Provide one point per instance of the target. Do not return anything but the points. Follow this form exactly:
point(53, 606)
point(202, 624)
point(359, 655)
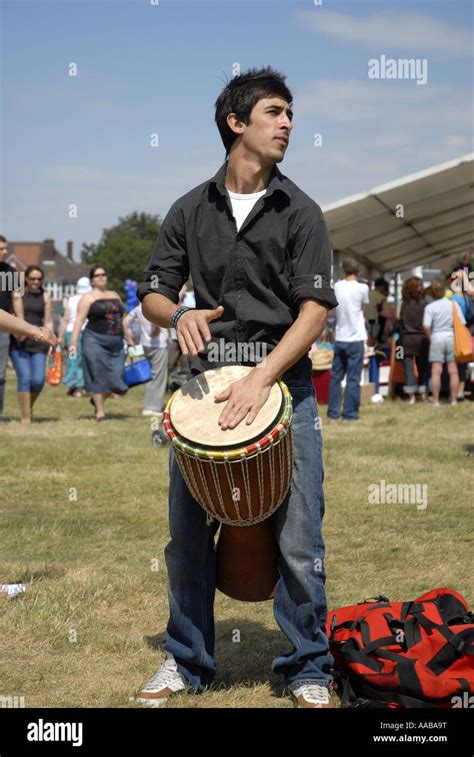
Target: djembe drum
point(239, 476)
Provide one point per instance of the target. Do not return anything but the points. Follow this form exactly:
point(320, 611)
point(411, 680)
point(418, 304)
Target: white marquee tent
point(408, 222)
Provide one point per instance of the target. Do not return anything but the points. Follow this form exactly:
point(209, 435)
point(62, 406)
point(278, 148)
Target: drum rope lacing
point(284, 453)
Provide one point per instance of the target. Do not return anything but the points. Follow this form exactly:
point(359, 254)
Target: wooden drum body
point(239, 476)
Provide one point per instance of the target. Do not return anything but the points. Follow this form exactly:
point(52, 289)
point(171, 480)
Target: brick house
point(61, 271)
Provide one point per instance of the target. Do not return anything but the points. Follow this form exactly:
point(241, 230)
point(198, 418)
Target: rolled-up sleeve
point(311, 257)
point(168, 268)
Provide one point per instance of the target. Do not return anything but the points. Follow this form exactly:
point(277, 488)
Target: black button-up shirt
point(260, 274)
point(7, 280)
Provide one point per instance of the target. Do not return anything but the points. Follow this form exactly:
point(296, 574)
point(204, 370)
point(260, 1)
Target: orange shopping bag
point(462, 339)
point(54, 373)
point(397, 368)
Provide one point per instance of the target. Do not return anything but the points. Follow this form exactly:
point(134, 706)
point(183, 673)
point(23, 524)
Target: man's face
point(269, 129)
point(3, 251)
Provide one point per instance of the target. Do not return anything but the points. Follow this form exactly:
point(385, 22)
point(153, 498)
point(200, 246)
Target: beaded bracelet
point(40, 337)
point(177, 315)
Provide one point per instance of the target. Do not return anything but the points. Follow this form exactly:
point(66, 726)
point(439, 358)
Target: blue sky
point(146, 68)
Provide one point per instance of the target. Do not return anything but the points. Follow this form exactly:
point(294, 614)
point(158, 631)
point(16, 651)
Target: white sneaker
point(166, 682)
point(148, 413)
point(12, 590)
point(312, 695)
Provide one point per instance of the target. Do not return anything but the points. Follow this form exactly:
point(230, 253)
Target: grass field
point(84, 524)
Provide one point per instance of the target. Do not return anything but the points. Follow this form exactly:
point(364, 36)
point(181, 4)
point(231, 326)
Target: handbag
point(322, 358)
point(137, 368)
point(462, 339)
point(397, 366)
point(54, 373)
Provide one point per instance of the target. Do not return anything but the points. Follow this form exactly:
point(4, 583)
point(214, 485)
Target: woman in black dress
point(415, 342)
point(102, 340)
point(29, 355)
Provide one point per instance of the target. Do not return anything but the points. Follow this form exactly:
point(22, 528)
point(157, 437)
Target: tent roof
point(438, 218)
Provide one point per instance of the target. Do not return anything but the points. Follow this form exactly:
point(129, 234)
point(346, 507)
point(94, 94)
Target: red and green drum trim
point(237, 454)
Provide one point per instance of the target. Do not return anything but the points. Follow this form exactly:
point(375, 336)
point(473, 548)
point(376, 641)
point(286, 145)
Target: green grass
point(84, 524)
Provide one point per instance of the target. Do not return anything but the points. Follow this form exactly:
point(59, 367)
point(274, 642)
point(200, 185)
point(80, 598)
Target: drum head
point(194, 414)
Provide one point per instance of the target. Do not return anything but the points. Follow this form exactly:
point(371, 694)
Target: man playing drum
point(257, 250)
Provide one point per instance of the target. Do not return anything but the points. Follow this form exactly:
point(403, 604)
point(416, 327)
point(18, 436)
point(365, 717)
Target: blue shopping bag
point(138, 370)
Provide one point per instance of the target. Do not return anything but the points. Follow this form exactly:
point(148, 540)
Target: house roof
point(27, 252)
point(411, 221)
point(54, 263)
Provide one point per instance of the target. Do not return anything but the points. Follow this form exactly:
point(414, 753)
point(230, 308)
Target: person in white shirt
point(438, 324)
point(351, 334)
point(154, 341)
point(74, 378)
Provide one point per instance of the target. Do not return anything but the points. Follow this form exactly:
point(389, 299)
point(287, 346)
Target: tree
point(124, 249)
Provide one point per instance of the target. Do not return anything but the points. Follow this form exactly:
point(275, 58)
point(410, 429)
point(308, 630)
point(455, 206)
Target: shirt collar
point(277, 181)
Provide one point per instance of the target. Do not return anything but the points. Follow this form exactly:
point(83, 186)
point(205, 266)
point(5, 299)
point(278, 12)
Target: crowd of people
point(95, 328)
point(423, 330)
point(93, 332)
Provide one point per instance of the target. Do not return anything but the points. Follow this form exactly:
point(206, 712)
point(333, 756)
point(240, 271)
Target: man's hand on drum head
point(245, 399)
point(192, 328)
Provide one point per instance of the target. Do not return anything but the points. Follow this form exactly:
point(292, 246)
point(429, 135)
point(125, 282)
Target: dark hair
point(2, 238)
point(32, 268)
point(412, 289)
point(351, 267)
point(95, 268)
point(381, 283)
point(242, 93)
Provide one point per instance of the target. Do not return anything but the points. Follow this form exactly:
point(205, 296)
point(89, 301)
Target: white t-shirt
point(73, 302)
point(438, 316)
point(243, 204)
point(146, 328)
point(189, 300)
point(350, 324)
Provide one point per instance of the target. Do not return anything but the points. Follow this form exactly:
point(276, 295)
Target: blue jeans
point(300, 599)
point(30, 369)
point(411, 385)
point(348, 361)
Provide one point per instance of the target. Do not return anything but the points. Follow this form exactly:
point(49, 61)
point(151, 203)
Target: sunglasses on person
point(96, 275)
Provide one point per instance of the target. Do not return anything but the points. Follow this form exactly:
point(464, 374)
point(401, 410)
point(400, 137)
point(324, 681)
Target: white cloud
point(101, 194)
point(383, 104)
point(458, 141)
point(400, 30)
point(346, 168)
point(373, 132)
point(43, 97)
point(155, 186)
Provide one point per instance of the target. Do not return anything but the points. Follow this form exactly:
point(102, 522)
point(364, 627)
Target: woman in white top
point(74, 378)
point(154, 341)
point(438, 324)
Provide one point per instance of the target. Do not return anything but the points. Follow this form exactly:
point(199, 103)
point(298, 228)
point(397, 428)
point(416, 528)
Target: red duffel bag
point(404, 654)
